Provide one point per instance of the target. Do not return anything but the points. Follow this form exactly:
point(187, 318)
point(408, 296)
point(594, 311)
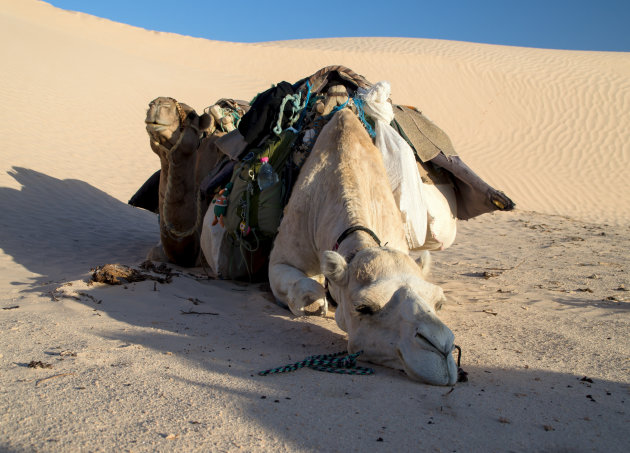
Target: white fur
point(341, 185)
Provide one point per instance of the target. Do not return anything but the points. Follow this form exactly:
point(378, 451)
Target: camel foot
point(307, 298)
point(157, 254)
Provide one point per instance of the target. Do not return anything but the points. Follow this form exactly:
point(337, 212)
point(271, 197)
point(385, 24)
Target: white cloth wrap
point(400, 164)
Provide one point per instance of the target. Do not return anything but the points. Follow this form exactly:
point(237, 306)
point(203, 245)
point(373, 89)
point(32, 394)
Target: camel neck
point(353, 247)
point(353, 229)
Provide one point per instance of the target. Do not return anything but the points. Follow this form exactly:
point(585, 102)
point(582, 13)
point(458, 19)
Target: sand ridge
point(537, 298)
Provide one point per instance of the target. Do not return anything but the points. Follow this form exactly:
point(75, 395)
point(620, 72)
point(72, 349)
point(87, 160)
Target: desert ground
point(537, 298)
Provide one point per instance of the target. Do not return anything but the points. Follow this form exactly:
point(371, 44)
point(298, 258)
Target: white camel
point(384, 304)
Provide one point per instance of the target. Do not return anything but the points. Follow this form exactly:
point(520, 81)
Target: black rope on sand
point(462, 376)
point(340, 363)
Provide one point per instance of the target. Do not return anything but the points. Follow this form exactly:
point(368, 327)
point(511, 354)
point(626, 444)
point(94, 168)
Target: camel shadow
point(59, 228)
point(497, 410)
point(221, 334)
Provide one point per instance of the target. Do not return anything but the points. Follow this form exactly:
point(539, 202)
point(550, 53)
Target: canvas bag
point(229, 252)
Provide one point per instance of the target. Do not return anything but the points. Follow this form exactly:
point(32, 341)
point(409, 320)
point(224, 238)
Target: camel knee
point(303, 295)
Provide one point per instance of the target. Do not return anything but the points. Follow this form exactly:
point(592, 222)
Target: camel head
point(169, 121)
point(388, 311)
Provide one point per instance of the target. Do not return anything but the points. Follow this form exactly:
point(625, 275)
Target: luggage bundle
point(280, 127)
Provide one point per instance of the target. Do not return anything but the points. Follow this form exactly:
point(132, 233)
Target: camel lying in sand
point(185, 144)
point(384, 303)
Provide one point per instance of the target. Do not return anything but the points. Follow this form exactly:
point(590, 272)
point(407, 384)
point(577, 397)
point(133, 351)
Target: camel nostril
point(432, 345)
point(422, 337)
point(425, 339)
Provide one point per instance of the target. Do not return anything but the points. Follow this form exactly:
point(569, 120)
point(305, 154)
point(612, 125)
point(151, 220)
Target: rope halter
point(165, 220)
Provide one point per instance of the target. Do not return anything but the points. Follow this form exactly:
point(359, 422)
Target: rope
point(227, 107)
point(354, 229)
point(305, 107)
point(180, 111)
point(330, 363)
point(165, 218)
point(296, 108)
point(462, 376)
point(358, 102)
point(237, 118)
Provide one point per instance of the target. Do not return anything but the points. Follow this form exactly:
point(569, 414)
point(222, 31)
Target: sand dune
point(550, 128)
point(546, 126)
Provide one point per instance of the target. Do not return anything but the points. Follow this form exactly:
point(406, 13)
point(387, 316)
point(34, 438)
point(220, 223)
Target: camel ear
point(334, 268)
point(438, 298)
point(205, 121)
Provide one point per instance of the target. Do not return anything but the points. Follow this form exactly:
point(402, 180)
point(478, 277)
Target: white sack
point(400, 164)
point(211, 240)
point(442, 216)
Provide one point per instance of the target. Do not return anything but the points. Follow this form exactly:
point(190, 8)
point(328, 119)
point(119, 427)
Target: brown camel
point(185, 144)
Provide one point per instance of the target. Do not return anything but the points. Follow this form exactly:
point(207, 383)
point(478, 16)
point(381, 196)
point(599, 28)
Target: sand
point(538, 297)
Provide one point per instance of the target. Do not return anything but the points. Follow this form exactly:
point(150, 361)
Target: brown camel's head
point(168, 119)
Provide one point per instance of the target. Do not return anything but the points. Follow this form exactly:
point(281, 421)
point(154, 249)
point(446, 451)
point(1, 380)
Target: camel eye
point(365, 310)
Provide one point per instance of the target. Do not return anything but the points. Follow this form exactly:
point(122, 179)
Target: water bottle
point(266, 176)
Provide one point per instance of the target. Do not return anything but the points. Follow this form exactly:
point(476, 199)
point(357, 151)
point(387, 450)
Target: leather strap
point(353, 229)
point(343, 236)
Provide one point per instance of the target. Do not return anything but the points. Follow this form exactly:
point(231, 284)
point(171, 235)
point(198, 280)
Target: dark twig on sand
point(198, 313)
point(52, 377)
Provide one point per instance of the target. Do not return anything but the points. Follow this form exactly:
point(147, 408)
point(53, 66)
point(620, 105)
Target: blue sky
point(555, 24)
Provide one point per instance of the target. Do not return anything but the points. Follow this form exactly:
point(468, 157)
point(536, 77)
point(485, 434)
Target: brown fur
point(189, 163)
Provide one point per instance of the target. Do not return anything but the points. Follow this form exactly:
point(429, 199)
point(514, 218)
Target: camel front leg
point(305, 296)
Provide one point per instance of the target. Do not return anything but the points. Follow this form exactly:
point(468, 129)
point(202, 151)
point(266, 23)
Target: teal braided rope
point(305, 107)
point(339, 107)
point(296, 108)
point(330, 363)
point(358, 102)
point(237, 118)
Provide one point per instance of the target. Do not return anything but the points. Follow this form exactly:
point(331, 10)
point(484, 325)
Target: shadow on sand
point(49, 220)
point(240, 332)
point(499, 409)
